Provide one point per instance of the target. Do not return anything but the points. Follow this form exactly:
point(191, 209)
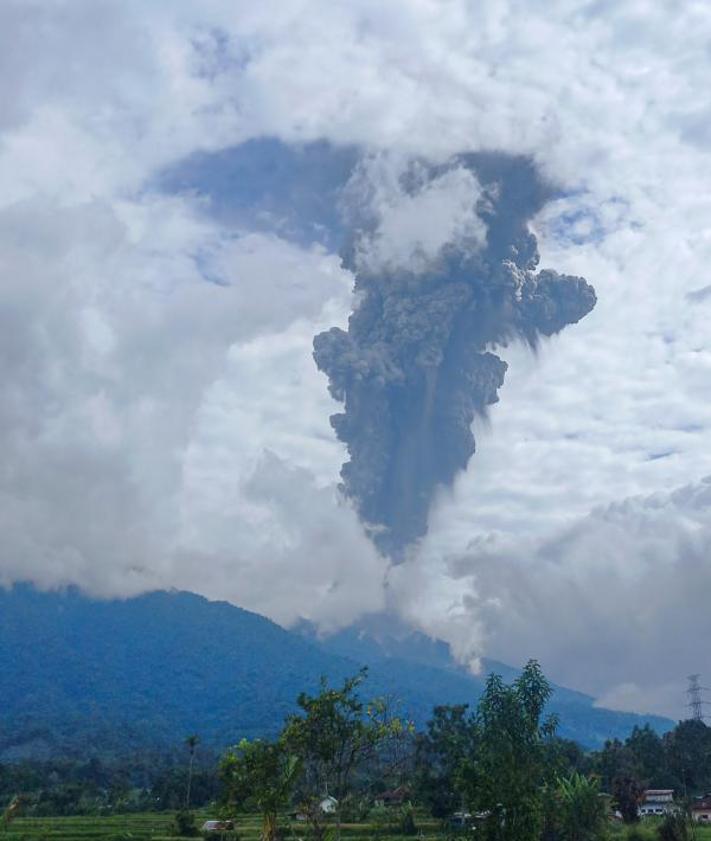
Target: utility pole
point(696, 700)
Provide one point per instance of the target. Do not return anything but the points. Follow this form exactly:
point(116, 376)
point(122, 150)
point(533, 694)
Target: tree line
point(498, 765)
point(149, 782)
point(499, 768)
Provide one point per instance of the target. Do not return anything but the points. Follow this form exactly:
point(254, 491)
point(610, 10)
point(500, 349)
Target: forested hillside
point(80, 676)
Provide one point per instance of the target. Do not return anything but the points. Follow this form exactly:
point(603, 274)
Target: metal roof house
point(701, 809)
point(657, 801)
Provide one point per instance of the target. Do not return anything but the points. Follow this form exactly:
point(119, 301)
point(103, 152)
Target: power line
point(696, 700)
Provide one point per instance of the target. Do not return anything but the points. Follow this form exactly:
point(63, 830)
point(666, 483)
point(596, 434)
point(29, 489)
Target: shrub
point(581, 813)
point(381, 820)
point(184, 824)
point(354, 809)
point(674, 828)
point(407, 821)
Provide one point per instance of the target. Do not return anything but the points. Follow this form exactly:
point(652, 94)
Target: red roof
point(396, 794)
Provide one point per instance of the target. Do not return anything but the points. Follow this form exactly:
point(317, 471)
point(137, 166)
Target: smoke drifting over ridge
point(415, 365)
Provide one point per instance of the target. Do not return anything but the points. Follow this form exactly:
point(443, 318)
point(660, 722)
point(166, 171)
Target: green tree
point(650, 759)
point(627, 791)
point(688, 754)
point(440, 751)
point(333, 735)
point(615, 761)
point(259, 775)
point(505, 780)
point(565, 757)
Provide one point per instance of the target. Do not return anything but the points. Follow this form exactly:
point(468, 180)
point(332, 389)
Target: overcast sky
point(162, 421)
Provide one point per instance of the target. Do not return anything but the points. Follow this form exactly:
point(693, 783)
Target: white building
point(657, 801)
point(328, 805)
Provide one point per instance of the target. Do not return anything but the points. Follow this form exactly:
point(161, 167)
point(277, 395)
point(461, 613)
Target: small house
point(396, 797)
point(656, 802)
point(701, 809)
point(328, 805)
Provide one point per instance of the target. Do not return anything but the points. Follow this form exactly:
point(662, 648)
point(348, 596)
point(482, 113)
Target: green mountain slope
point(81, 676)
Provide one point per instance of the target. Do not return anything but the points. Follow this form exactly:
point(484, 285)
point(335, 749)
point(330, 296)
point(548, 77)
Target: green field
point(646, 831)
point(157, 825)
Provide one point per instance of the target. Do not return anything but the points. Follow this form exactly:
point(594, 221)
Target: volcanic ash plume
point(415, 365)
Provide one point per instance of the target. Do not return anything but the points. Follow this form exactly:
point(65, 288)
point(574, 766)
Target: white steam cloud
point(619, 596)
point(410, 216)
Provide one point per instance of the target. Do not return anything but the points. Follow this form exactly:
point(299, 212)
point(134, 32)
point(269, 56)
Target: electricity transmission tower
point(696, 700)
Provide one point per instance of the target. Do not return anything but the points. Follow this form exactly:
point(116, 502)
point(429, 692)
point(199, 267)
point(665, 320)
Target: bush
point(354, 809)
point(580, 813)
point(674, 828)
point(380, 820)
point(407, 821)
point(184, 824)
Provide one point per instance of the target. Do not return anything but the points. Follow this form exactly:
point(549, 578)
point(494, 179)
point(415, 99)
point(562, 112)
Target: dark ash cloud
point(416, 363)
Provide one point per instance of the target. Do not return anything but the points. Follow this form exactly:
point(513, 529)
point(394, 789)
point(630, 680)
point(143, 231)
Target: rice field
point(156, 826)
point(133, 827)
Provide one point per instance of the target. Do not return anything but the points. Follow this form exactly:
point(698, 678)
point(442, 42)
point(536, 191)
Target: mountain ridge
point(82, 675)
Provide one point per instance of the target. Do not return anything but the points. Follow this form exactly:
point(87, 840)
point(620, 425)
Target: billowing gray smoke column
point(415, 367)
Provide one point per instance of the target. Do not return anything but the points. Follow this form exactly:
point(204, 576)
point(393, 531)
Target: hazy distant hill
point(81, 676)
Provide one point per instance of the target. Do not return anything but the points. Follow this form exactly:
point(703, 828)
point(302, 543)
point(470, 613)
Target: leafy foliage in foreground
point(507, 773)
point(334, 735)
point(498, 762)
point(576, 811)
point(259, 775)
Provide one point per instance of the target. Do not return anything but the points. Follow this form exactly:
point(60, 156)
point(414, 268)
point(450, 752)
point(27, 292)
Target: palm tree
point(192, 742)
